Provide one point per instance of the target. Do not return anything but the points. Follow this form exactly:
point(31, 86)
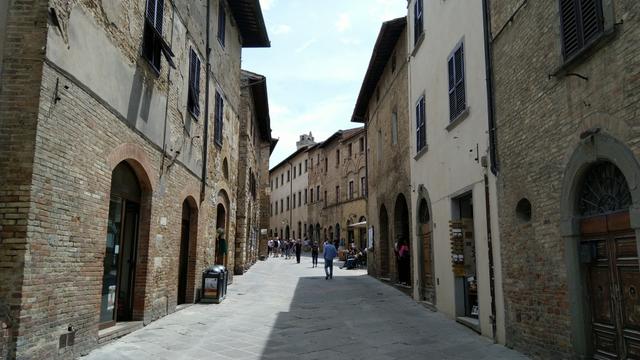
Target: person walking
point(314, 254)
point(269, 247)
point(329, 253)
point(298, 250)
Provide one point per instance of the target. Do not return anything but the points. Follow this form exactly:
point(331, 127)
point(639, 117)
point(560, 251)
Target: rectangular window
point(380, 145)
point(318, 159)
point(193, 99)
point(363, 186)
point(337, 194)
point(276, 208)
point(276, 182)
point(337, 157)
point(326, 164)
point(288, 175)
point(152, 41)
point(305, 196)
point(271, 210)
point(582, 23)
point(394, 128)
point(457, 95)
point(294, 201)
point(311, 195)
point(222, 23)
point(418, 23)
point(325, 198)
point(306, 166)
point(282, 179)
point(361, 142)
point(351, 190)
point(318, 192)
point(288, 203)
point(299, 198)
point(421, 133)
point(350, 150)
point(219, 119)
point(281, 206)
point(294, 173)
point(300, 169)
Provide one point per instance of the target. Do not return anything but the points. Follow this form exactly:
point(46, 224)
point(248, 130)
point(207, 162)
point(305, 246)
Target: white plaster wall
point(449, 167)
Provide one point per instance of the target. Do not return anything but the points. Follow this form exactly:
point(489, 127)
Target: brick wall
point(539, 121)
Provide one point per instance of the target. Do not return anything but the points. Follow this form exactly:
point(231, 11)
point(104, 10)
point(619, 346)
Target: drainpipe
point(486, 21)
point(488, 60)
point(206, 107)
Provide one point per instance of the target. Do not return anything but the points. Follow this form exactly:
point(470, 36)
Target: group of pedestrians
point(285, 248)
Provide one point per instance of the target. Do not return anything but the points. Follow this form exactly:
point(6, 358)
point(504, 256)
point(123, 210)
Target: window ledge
point(417, 44)
point(458, 119)
point(421, 152)
point(584, 53)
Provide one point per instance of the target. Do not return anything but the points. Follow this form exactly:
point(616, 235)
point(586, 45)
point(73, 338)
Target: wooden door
point(609, 250)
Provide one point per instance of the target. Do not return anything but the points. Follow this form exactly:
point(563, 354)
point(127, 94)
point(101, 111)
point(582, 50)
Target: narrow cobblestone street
point(284, 310)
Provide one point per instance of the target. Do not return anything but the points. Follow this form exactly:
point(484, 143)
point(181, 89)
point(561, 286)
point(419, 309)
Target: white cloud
point(281, 29)
point(343, 23)
point(266, 4)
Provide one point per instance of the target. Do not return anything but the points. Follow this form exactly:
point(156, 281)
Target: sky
point(320, 50)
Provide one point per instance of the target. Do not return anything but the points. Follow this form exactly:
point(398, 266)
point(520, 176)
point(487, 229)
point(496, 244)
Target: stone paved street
point(284, 310)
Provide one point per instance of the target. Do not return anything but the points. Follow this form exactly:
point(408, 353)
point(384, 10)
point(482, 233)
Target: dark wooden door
point(613, 281)
point(184, 261)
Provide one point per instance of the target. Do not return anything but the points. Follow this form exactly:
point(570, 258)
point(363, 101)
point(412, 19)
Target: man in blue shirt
point(329, 253)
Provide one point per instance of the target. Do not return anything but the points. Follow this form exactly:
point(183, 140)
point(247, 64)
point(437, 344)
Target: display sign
point(370, 237)
point(111, 298)
point(456, 236)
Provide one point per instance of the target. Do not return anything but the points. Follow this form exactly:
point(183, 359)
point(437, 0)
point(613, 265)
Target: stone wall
point(540, 119)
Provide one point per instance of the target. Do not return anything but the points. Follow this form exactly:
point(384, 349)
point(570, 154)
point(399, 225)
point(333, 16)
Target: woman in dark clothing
point(298, 250)
point(314, 254)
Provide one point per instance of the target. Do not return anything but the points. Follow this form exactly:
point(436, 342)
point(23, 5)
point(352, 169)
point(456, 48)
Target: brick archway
point(135, 156)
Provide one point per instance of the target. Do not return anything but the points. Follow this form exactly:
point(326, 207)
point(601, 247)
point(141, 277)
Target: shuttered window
point(153, 45)
point(421, 126)
point(457, 95)
point(582, 23)
point(219, 119)
point(222, 23)
point(418, 23)
point(193, 101)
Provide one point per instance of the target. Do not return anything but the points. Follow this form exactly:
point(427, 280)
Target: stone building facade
point(115, 169)
point(289, 195)
point(566, 96)
point(253, 167)
point(382, 106)
point(453, 184)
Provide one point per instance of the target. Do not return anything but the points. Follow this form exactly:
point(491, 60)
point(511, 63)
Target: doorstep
point(471, 323)
point(118, 330)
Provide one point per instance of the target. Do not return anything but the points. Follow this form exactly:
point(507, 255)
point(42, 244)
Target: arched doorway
point(222, 244)
point(427, 291)
point(609, 249)
point(127, 224)
point(401, 231)
point(384, 242)
point(187, 255)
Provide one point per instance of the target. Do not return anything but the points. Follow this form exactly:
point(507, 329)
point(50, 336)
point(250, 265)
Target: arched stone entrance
point(425, 251)
point(600, 219)
point(222, 229)
point(124, 277)
point(187, 254)
point(401, 232)
point(384, 242)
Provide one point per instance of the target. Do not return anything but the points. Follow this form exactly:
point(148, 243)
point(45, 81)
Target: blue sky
point(320, 50)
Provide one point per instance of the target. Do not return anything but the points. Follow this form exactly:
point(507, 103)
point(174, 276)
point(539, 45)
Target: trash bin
point(214, 284)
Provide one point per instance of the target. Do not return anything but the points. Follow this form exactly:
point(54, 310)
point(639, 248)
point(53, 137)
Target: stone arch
point(592, 149)
point(187, 251)
point(402, 233)
point(137, 158)
point(222, 227)
point(424, 253)
point(385, 254)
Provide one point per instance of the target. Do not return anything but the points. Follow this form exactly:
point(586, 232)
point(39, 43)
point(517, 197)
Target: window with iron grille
point(582, 23)
point(418, 23)
point(193, 101)
point(222, 23)
point(219, 119)
point(421, 127)
point(457, 91)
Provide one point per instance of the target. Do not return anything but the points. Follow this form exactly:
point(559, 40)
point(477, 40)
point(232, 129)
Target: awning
point(362, 225)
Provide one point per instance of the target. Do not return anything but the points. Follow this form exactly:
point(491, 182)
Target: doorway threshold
point(471, 323)
point(118, 330)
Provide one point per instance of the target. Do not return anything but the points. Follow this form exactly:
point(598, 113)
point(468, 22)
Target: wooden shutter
point(461, 101)
point(582, 22)
point(452, 88)
point(222, 19)
point(420, 125)
point(193, 102)
point(159, 15)
point(219, 118)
